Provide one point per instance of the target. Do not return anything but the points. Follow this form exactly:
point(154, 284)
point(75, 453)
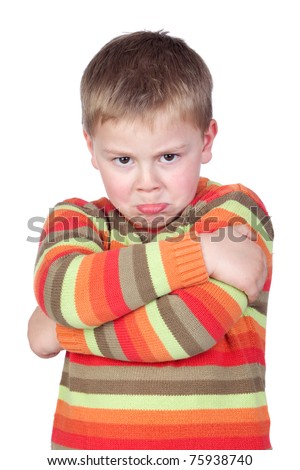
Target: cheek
point(118, 193)
point(185, 185)
point(114, 186)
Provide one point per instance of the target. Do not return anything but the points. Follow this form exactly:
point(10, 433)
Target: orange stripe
point(231, 306)
point(220, 309)
point(63, 250)
point(42, 272)
point(233, 343)
point(98, 300)
point(161, 430)
point(156, 348)
point(62, 219)
point(248, 325)
point(82, 294)
point(115, 245)
point(152, 417)
point(137, 337)
point(215, 219)
point(171, 270)
point(77, 342)
point(189, 250)
point(244, 324)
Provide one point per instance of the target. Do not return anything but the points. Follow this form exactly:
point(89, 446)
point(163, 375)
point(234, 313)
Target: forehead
point(138, 137)
point(161, 121)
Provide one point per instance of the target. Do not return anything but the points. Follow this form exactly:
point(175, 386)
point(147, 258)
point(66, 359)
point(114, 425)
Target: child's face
point(150, 173)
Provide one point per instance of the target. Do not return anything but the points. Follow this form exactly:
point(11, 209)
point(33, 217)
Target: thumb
point(245, 230)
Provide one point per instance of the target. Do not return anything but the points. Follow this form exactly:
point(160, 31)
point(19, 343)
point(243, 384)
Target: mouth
point(150, 209)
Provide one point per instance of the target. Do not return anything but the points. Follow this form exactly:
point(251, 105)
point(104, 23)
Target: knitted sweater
point(159, 355)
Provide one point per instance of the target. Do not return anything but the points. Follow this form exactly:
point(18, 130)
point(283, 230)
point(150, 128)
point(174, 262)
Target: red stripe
point(66, 220)
point(212, 357)
point(104, 204)
point(111, 282)
point(75, 200)
point(202, 313)
point(124, 339)
point(267, 285)
point(93, 443)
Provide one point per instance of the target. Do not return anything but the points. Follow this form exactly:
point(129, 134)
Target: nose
point(147, 180)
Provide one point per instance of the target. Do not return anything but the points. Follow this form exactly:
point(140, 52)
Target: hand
point(42, 335)
point(232, 256)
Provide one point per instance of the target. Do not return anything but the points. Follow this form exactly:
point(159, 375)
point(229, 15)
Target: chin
point(147, 223)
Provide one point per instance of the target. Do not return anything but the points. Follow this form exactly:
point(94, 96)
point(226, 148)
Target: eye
point(122, 161)
point(169, 157)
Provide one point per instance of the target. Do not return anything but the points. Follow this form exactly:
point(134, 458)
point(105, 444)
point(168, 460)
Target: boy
point(159, 293)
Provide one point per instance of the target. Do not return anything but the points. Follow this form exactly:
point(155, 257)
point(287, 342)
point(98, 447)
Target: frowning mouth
point(151, 209)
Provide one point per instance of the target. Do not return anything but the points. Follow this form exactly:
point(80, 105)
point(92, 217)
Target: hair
point(138, 74)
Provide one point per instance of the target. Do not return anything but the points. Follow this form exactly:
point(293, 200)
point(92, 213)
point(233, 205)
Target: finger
point(252, 293)
point(244, 229)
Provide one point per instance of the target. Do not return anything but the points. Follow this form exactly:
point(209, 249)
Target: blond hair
point(138, 74)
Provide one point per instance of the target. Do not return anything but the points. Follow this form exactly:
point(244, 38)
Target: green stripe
point(156, 268)
point(212, 183)
point(129, 239)
point(162, 402)
point(163, 332)
point(240, 210)
point(167, 235)
point(239, 296)
point(91, 342)
point(69, 207)
point(258, 317)
point(67, 299)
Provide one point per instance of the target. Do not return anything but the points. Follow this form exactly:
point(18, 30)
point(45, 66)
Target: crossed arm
point(183, 309)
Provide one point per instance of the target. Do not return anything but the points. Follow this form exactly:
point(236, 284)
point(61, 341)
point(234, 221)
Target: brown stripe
point(119, 223)
point(91, 210)
point(130, 291)
point(82, 234)
point(261, 303)
point(189, 333)
point(165, 380)
point(257, 212)
point(108, 343)
point(54, 283)
point(164, 387)
point(142, 278)
point(169, 373)
point(58, 447)
point(193, 213)
point(248, 203)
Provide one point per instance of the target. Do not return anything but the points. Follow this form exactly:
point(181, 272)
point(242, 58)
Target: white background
point(252, 50)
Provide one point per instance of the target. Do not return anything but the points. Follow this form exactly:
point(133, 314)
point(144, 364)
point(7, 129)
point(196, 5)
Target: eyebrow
point(169, 149)
point(117, 152)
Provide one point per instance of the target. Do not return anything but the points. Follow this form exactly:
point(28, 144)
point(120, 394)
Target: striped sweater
point(159, 355)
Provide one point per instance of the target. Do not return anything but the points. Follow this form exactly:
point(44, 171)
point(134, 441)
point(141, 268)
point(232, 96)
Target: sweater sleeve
point(176, 326)
point(190, 320)
point(79, 283)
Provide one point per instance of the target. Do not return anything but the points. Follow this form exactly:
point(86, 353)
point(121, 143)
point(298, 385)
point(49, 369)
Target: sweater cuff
point(189, 267)
point(71, 339)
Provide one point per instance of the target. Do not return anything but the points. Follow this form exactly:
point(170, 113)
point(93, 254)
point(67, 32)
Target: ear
point(90, 146)
point(208, 140)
